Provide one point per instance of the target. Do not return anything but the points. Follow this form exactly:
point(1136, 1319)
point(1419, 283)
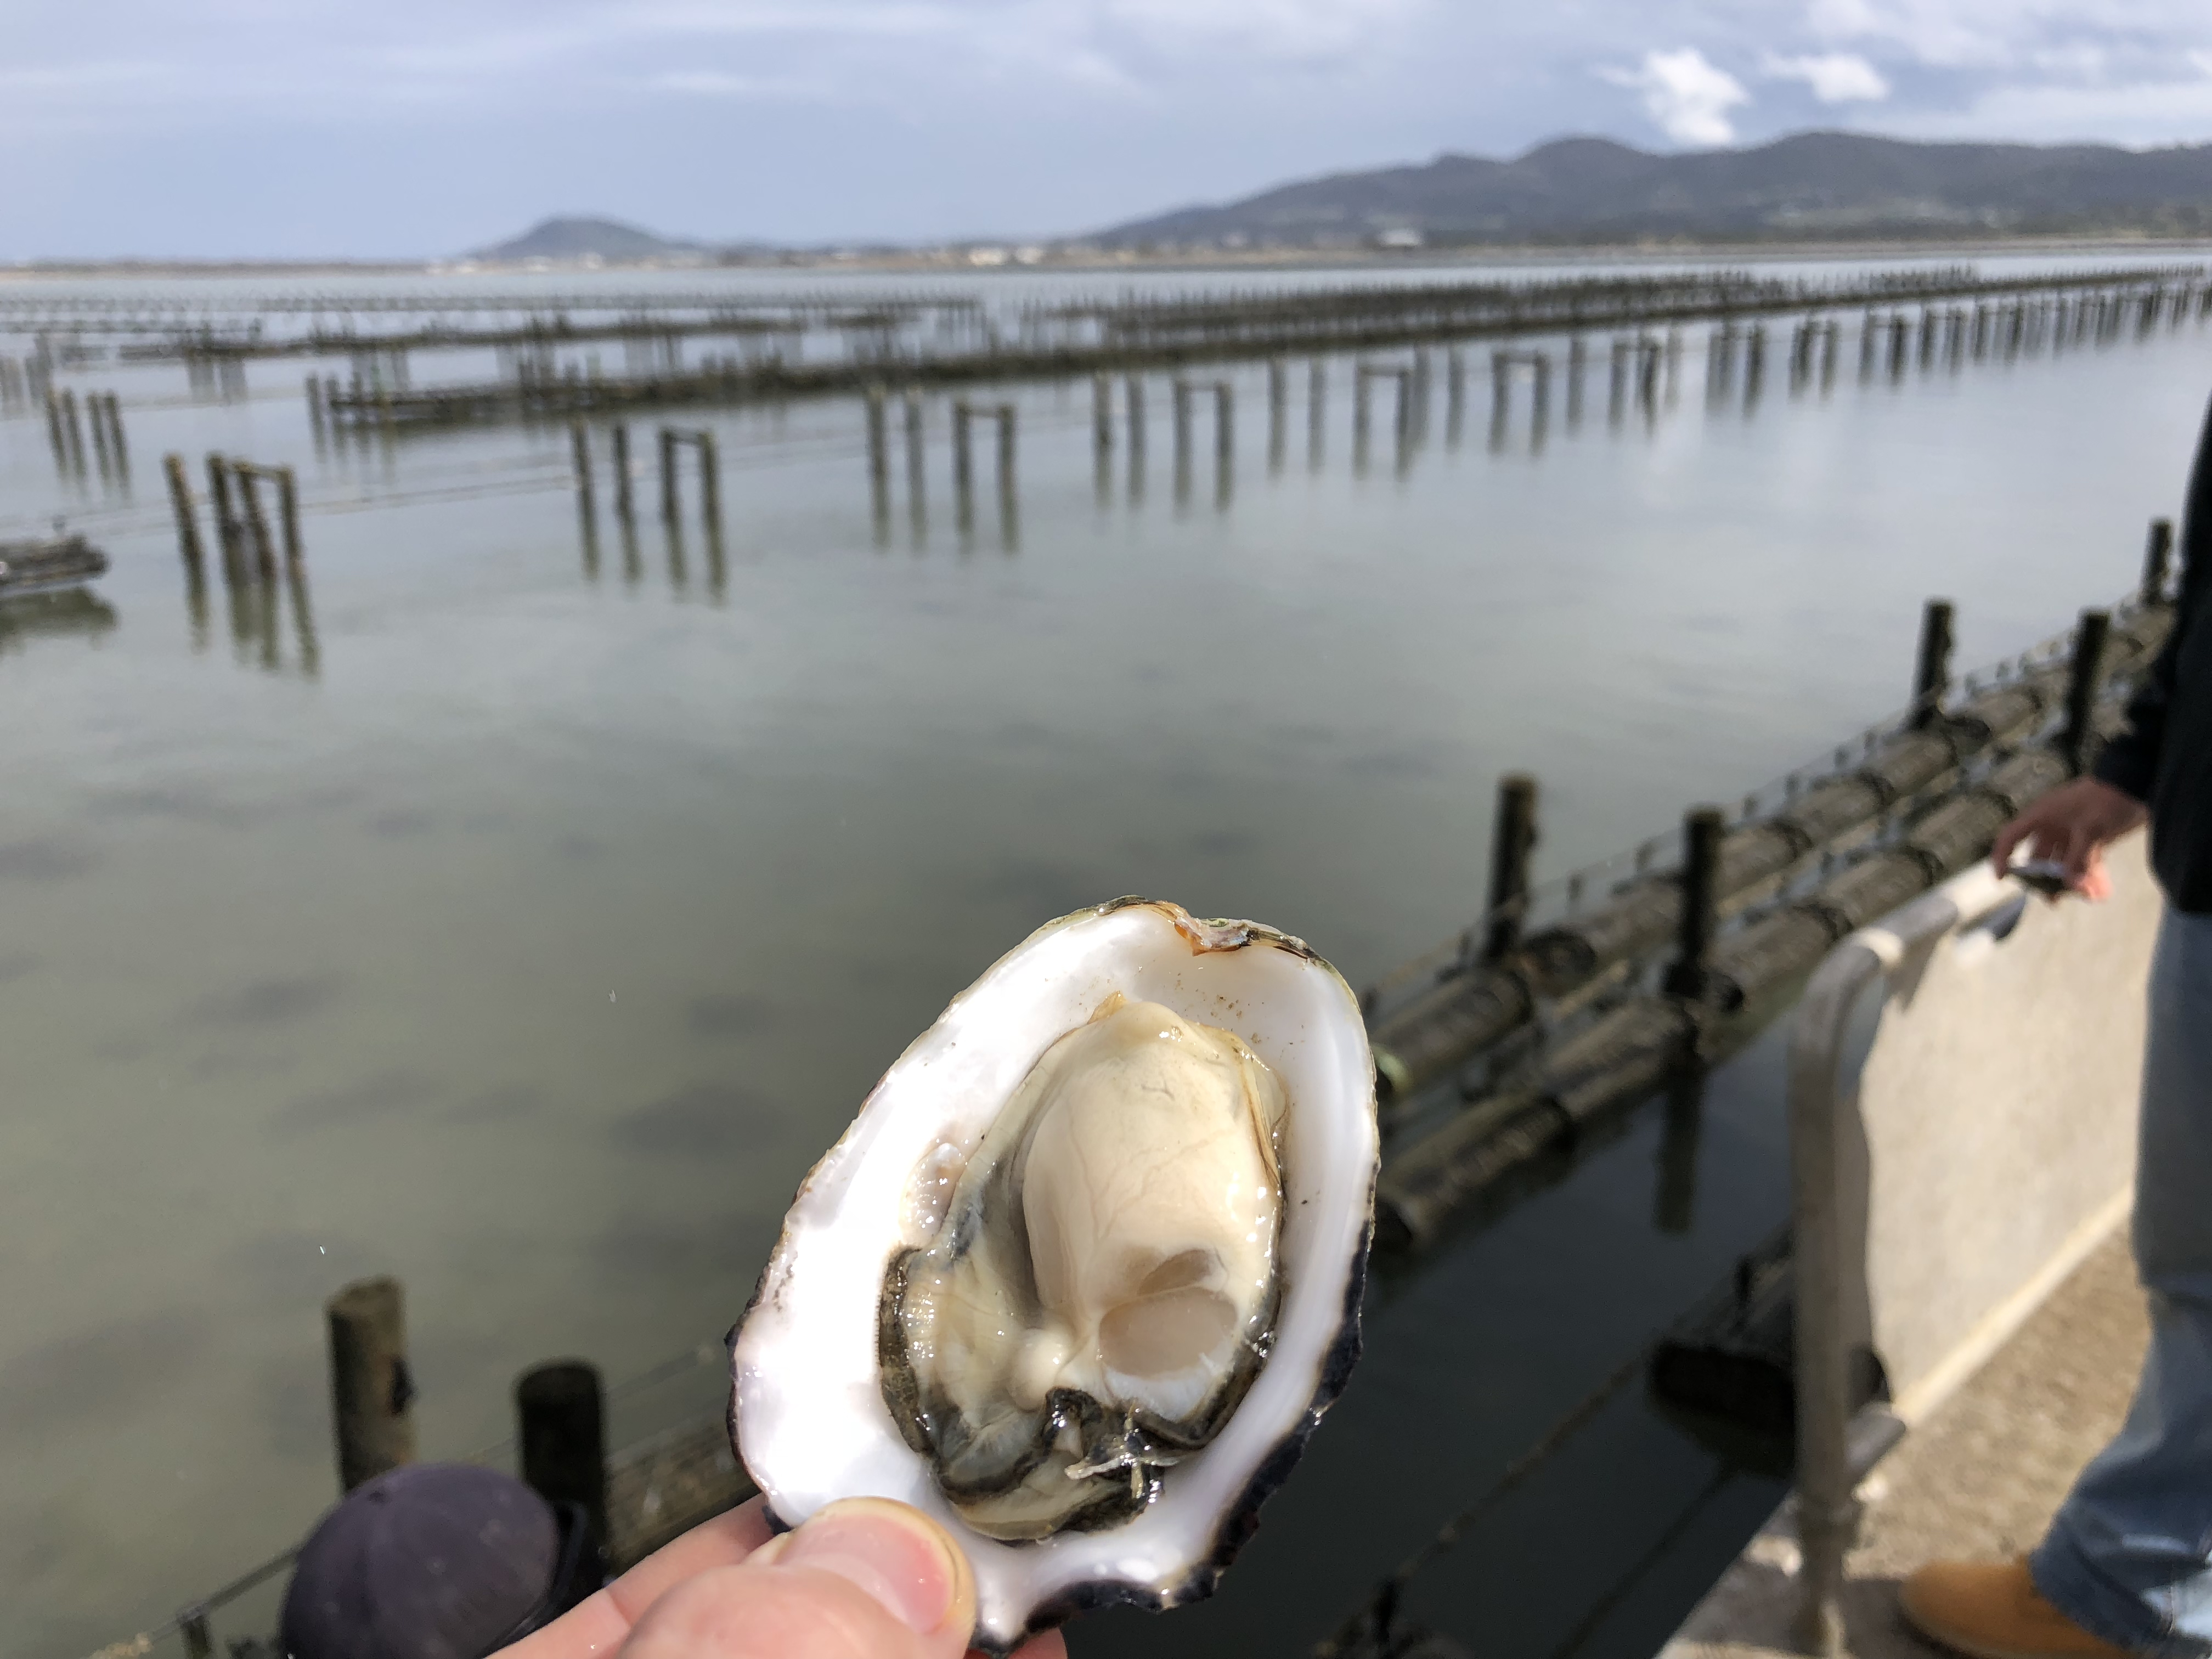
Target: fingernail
point(897, 1554)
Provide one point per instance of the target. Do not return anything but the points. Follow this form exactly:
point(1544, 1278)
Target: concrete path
point(1979, 1479)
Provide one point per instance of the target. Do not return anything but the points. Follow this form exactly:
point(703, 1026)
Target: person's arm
point(2075, 822)
point(2130, 761)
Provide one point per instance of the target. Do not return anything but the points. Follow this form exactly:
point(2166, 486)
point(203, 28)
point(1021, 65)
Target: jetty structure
point(770, 346)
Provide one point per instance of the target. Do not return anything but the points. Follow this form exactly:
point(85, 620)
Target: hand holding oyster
point(1084, 1273)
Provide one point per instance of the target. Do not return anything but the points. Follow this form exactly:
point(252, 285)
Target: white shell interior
point(811, 1422)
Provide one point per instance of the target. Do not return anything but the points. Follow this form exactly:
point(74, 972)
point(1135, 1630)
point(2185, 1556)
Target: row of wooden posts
point(65, 429)
point(560, 1413)
point(237, 516)
point(673, 441)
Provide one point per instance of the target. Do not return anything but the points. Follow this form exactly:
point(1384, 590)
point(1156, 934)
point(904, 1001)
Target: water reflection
point(70, 611)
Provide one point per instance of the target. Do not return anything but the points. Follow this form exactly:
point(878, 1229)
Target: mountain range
point(1825, 186)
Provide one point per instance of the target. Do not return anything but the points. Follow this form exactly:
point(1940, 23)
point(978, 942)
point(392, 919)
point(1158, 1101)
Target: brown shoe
point(1993, 1610)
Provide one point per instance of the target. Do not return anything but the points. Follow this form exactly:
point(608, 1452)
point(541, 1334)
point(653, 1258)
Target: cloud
point(1835, 77)
point(1686, 95)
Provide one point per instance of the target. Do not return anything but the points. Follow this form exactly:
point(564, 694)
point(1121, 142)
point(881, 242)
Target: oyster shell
point(1084, 1273)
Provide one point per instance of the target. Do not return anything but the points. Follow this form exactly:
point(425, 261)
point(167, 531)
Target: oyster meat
point(1084, 1274)
point(1103, 1288)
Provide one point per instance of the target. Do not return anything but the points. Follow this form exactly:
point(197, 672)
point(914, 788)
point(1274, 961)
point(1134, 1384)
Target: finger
point(2078, 849)
point(2095, 885)
point(863, 1579)
point(2008, 838)
point(599, 1624)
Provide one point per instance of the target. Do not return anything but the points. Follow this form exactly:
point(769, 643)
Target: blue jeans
point(2129, 1557)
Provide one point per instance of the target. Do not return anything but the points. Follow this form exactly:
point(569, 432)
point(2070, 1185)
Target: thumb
point(865, 1579)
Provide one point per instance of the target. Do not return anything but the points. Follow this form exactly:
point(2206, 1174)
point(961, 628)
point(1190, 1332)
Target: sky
point(424, 127)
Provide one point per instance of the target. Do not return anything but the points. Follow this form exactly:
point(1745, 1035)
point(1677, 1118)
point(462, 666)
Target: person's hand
point(2072, 825)
point(863, 1579)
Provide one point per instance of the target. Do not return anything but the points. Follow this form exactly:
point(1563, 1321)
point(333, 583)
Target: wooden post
point(668, 474)
point(964, 462)
point(1455, 388)
point(73, 431)
point(1702, 831)
point(226, 521)
point(1316, 409)
point(1931, 674)
point(54, 428)
point(1278, 410)
point(1179, 401)
point(371, 1391)
point(115, 441)
point(1006, 451)
point(710, 478)
point(2082, 683)
point(95, 409)
point(914, 453)
point(561, 1419)
point(248, 480)
point(181, 501)
point(618, 449)
point(315, 415)
point(1512, 839)
point(1133, 393)
point(879, 450)
point(1363, 397)
point(580, 447)
point(1101, 413)
point(1224, 425)
point(288, 508)
point(2158, 559)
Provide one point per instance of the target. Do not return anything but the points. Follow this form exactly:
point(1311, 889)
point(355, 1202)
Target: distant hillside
point(1814, 185)
point(585, 238)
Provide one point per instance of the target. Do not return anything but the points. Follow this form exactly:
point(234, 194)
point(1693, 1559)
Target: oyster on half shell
point(1082, 1275)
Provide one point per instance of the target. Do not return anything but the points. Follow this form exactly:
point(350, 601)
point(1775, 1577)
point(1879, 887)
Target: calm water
point(527, 928)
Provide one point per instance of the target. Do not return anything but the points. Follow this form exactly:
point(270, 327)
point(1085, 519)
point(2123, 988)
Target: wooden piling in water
point(879, 449)
point(561, 1423)
point(1133, 390)
point(1224, 425)
point(1931, 673)
point(914, 453)
point(1101, 413)
point(619, 458)
point(180, 503)
point(72, 431)
point(287, 508)
point(1456, 390)
point(1316, 409)
point(668, 502)
point(579, 451)
point(371, 1390)
point(54, 428)
point(964, 462)
point(96, 416)
point(219, 505)
point(1702, 830)
point(2158, 559)
point(1278, 410)
point(710, 479)
point(1512, 840)
point(1005, 413)
point(2082, 678)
